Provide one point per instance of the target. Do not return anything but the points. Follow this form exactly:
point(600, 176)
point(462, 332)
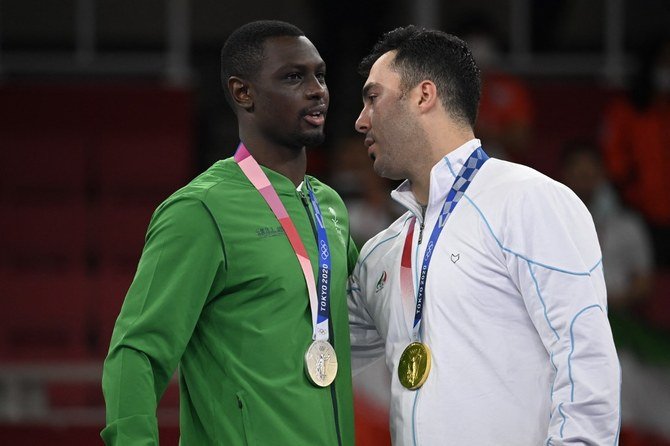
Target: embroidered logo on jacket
point(455, 257)
point(381, 282)
point(269, 232)
point(336, 223)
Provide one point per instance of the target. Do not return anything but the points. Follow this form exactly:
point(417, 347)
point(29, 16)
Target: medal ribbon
point(257, 177)
point(458, 188)
point(324, 267)
point(406, 283)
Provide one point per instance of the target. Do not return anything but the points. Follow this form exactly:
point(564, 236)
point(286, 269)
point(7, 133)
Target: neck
point(441, 142)
point(288, 161)
point(420, 187)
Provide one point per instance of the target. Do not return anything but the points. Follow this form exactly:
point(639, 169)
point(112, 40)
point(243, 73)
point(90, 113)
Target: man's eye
point(321, 77)
point(294, 76)
point(371, 97)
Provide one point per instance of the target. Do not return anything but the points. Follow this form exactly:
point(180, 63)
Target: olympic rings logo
point(324, 250)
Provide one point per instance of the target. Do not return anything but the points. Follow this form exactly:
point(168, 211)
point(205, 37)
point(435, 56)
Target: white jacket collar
point(442, 176)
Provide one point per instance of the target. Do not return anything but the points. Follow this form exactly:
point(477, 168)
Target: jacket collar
point(442, 176)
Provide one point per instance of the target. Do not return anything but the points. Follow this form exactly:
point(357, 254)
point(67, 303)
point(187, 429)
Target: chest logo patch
point(455, 257)
point(381, 282)
point(269, 232)
point(336, 223)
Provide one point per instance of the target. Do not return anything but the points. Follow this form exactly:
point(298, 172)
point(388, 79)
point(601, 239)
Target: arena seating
point(82, 167)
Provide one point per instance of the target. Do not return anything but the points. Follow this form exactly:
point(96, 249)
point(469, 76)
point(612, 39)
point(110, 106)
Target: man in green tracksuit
point(220, 290)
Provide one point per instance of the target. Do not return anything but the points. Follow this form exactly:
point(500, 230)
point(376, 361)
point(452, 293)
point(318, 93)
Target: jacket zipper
point(333, 394)
point(423, 219)
point(309, 212)
point(420, 233)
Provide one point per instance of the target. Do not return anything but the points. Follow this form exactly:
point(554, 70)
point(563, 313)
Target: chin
point(387, 172)
point(378, 168)
point(312, 139)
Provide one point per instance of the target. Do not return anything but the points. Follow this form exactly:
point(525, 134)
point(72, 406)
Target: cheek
point(386, 123)
point(276, 101)
point(376, 117)
point(386, 112)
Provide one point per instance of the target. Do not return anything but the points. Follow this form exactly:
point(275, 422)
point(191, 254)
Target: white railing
point(172, 64)
point(24, 396)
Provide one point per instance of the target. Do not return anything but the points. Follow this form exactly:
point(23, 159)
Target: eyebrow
point(302, 66)
point(367, 88)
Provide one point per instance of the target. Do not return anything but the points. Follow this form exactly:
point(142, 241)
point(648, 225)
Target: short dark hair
point(242, 53)
point(437, 56)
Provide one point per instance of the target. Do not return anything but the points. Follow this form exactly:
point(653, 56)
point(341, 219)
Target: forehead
point(289, 50)
point(383, 73)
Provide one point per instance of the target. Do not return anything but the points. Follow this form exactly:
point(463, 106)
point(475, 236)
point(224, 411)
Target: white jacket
point(515, 314)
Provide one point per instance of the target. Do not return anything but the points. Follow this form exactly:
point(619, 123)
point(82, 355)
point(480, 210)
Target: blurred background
point(108, 106)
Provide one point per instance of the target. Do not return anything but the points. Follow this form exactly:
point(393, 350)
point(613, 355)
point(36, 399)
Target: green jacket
point(219, 292)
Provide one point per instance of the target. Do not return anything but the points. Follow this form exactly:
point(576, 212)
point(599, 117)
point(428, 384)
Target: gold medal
point(321, 363)
point(414, 365)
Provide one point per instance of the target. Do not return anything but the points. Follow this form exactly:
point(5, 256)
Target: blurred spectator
point(366, 195)
point(628, 267)
point(505, 116)
point(624, 239)
point(636, 145)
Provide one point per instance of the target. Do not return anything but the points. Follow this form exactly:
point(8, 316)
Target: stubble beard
point(302, 139)
point(405, 136)
point(312, 138)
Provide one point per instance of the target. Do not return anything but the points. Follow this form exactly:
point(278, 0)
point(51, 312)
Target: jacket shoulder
point(381, 244)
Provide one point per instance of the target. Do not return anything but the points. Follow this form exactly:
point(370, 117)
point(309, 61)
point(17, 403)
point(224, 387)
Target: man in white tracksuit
point(508, 311)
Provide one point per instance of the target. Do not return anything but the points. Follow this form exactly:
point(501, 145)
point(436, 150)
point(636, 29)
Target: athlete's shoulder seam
point(522, 256)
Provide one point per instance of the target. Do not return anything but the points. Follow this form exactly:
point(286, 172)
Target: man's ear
point(427, 95)
point(239, 91)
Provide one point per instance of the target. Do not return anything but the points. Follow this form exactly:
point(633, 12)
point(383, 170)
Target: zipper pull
point(303, 197)
point(423, 220)
point(420, 233)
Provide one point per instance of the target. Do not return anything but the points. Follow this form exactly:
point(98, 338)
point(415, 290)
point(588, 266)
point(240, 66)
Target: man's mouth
point(316, 116)
point(369, 142)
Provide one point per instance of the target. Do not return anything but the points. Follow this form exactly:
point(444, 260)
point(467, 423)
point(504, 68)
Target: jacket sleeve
point(352, 255)
point(366, 344)
point(553, 257)
point(181, 258)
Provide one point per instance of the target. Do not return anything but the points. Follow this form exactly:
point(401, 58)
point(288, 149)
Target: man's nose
point(362, 123)
point(316, 89)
